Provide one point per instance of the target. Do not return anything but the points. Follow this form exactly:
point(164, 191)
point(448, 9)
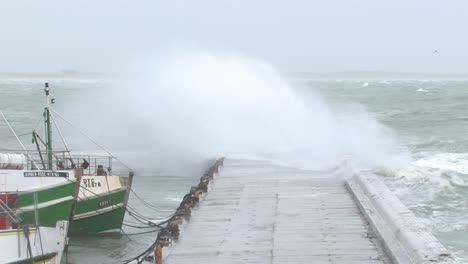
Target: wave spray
point(197, 106)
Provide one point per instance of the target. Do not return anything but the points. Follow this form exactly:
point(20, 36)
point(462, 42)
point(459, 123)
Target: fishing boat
point(24, 243)
point(36, 196)
point(102, 199)
point(79, 187)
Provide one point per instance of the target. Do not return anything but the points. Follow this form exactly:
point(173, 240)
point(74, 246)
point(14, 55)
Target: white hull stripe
point(110, 231)
point(50, 186)
point(87, 195)
point(98, 212)
point(14, 232)
point(46, 204)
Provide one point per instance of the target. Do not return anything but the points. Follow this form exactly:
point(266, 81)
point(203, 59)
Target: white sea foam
point(444, 170)
point(417, 174)
point(422, 90)
point(457, 162)
point(365, 84)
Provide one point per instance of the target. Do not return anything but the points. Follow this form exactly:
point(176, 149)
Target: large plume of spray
point(190, 107)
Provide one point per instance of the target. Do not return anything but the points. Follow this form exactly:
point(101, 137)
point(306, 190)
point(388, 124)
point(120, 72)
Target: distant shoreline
point(346, 75)
point(370, 75)
point(66, 74)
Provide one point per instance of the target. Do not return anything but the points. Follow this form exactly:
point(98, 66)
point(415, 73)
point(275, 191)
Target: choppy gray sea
point(427, 117)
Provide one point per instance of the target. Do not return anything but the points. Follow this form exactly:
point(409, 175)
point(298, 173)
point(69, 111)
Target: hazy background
point(194, 80)
point(295, 36)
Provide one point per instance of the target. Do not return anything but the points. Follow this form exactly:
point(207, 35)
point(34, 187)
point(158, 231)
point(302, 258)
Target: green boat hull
point(53, 204)
point(103, 214)
point(48, 216)
point(98, 214)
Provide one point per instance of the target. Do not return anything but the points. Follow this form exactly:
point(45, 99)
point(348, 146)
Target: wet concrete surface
point(257, 212)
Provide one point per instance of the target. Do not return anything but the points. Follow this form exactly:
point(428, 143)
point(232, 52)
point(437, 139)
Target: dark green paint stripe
point(48, 216)
point(45, 195)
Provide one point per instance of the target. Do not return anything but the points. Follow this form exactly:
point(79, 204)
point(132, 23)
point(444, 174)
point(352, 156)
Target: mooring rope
point(148, 204)
point(147, 221)
point(170, 231)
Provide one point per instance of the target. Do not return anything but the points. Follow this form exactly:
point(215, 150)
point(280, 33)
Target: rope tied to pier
point(171, 230)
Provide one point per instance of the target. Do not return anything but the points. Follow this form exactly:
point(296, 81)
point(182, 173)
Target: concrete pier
point(257, 212)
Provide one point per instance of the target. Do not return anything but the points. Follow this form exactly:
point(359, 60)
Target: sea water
point(423, 120)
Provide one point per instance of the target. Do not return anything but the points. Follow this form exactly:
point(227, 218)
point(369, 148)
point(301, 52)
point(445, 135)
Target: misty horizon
point(297, 74)
point(300, 36)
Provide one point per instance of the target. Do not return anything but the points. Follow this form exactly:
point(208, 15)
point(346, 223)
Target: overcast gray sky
point(294, 35)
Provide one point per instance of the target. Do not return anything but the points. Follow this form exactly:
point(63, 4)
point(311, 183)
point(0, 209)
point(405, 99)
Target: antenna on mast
point(47, 92)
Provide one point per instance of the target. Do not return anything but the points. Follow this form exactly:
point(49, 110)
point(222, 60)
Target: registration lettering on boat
point(46, 174)
point(91, 183)
point(104, 203)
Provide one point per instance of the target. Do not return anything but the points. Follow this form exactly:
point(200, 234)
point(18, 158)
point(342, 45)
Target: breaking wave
point(443, 170)
point(457, 162)
point(203, 105)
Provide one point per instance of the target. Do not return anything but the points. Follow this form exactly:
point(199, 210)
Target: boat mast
point(48, 128)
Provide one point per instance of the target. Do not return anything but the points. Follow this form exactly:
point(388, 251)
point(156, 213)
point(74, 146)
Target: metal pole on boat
point(127, 194)
point(48, 128)
point(78, 174)
point(17, 138)
point(129, 188)
point(61, 137)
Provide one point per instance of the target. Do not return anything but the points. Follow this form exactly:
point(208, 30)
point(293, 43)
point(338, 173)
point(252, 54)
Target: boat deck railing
point(65, 160)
